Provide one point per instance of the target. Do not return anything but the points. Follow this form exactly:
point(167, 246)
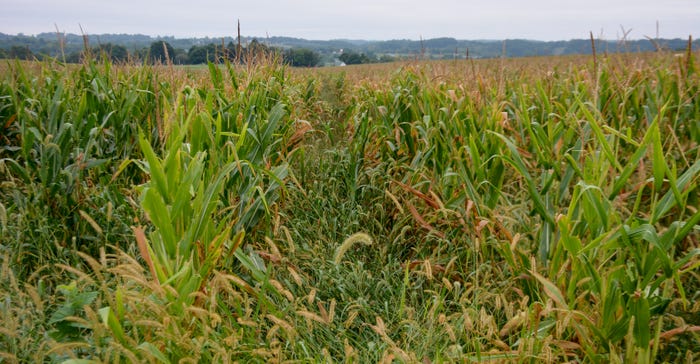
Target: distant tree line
point(299, 52)
point(162, 52)
point(351, 57)
point(19, 52)
point(354, 58)
point(212, 52)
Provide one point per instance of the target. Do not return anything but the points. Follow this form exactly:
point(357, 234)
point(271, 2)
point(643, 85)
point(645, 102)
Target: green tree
point(385, 58)
point(20, 52)
point(202, 54)
point(162, 52)
point(74, 57)
point(181, 56)
point(115, 52)
point(256, 47)
point(232, 51)
point(301, 57)
point(354, 58)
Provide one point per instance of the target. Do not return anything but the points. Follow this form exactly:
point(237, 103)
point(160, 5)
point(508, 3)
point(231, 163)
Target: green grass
point(532, 210)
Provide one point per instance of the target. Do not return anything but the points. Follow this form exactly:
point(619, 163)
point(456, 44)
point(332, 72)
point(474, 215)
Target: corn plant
point(211, 185)
point(66, 131)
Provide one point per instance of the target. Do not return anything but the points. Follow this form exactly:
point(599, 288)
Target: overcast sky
point(359, 19)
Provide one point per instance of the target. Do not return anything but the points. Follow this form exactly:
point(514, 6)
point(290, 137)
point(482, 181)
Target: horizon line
point(346, 39)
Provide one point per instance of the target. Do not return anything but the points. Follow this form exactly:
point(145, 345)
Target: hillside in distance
point(49, 44)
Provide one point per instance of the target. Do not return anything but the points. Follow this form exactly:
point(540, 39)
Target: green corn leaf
point(658, 162)
point(193, 175)
point(155, 167)
point(639, 308)
point(122, 166)
point(602, 140)
point(256, 268)
point(571, 243)
point(20, 171)
point(687, 226)
point(184, 273)
point(596, 283)
point(110, 320)
point(669, 200)
point(159, 214)
point(519, 165)
point(273, 121)
point(551, 290)
point(153, 351)
point(216, 76)
point(209, 198)
point(632, 165)
point(647, 232)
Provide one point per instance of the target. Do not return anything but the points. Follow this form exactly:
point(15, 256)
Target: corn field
point(508, 210)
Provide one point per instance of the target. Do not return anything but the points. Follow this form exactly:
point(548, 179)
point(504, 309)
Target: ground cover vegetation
point(507, 210)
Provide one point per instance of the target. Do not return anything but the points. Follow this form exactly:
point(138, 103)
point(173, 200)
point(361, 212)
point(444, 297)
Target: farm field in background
point(507, 210)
